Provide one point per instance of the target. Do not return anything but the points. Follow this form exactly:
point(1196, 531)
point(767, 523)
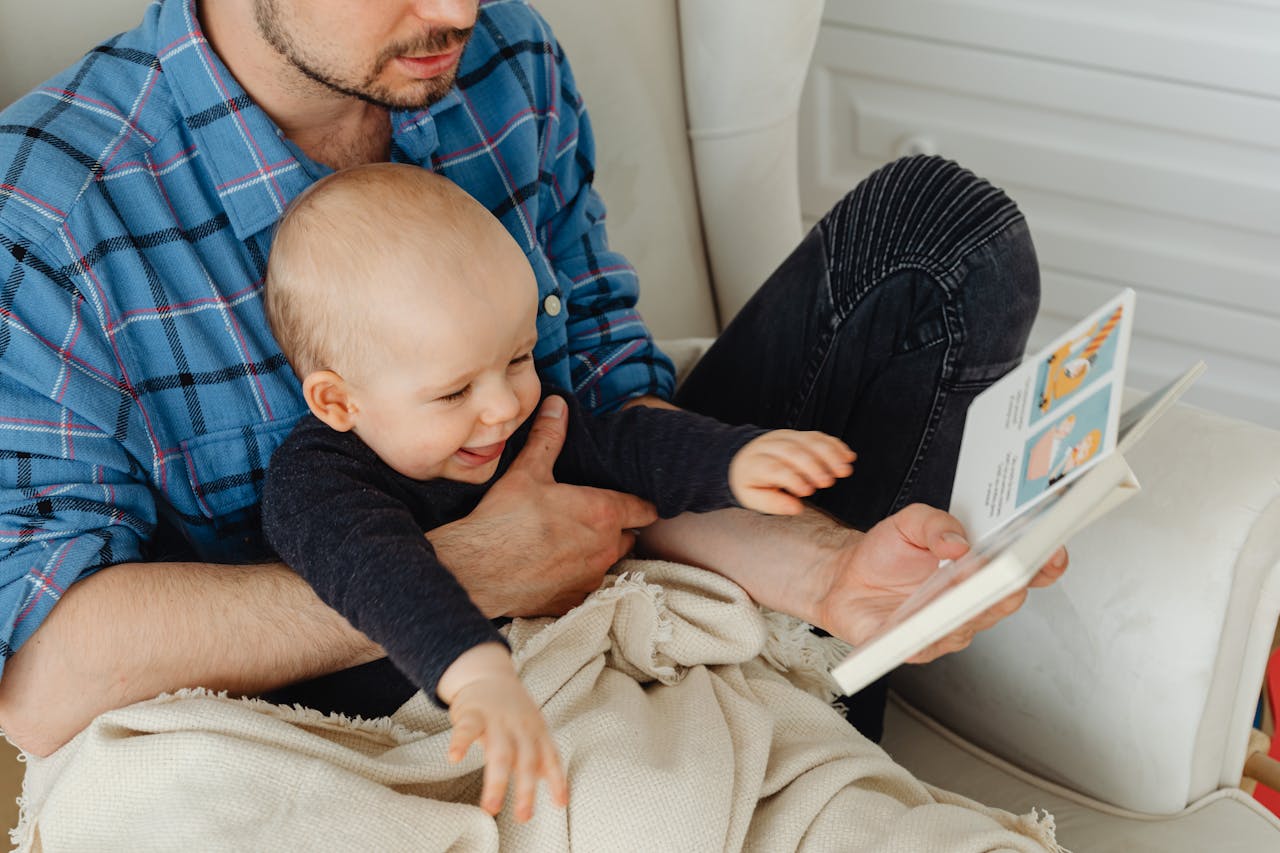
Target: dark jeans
point(914, 293)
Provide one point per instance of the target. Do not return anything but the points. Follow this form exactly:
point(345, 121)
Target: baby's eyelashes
point(456, 396)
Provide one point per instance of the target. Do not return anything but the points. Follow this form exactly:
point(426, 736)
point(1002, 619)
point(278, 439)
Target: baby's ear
point(329, 399)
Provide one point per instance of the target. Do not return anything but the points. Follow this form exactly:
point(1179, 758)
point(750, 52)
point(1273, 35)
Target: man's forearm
point(774, 558)
point(135, 630)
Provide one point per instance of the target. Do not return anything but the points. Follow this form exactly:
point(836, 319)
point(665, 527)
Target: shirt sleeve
point(612, 355)
point(72, 498)
point(330, 517)
point(675, 459)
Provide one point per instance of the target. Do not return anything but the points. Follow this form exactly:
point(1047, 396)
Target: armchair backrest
point(694, 90)
point(626, 61)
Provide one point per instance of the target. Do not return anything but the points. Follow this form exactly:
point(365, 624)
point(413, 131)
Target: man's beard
point(272, 28)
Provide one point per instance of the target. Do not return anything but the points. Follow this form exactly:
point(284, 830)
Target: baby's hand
point(773, 471)
point(490, 704)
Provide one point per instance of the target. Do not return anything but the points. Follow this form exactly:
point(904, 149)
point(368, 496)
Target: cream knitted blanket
point(687, 720)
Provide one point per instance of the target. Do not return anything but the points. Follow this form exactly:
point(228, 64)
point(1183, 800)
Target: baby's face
point(456, 376)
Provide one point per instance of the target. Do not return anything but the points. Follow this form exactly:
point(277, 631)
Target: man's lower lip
point(429, 66)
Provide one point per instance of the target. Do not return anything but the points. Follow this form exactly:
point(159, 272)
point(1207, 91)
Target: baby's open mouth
point(481, 455)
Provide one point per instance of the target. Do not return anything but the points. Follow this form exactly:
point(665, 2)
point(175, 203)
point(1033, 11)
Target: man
point(141, 394)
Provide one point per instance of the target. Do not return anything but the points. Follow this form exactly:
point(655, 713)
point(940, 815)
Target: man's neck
point(340, 145)
point(331, 128)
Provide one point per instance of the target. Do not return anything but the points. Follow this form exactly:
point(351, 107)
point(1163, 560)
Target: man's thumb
point(546, 437)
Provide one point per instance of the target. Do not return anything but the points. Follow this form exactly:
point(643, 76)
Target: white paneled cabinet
point(1140, 137)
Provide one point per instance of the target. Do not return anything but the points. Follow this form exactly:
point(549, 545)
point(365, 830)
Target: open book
point(1041, 457)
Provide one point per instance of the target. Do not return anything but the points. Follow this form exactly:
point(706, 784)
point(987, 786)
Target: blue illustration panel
point(1069, 443)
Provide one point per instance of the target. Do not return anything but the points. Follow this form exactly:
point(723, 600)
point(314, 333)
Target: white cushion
point(1227, 821)
point(1135, 678)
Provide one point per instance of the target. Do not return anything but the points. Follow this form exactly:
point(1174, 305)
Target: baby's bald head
point(365, 247)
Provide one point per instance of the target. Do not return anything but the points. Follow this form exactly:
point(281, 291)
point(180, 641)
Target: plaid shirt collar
point(255, 170)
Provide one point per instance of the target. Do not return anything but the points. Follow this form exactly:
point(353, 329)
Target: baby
point(408, 313)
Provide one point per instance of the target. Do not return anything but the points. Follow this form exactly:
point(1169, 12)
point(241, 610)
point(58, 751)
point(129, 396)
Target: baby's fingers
point(771, 501)
point(466, 729)
point(498, 756)
point(527, 761)
point(834, 453)
point(553, 772)
point(823, 458)
point(819, 458)
point(537, 759)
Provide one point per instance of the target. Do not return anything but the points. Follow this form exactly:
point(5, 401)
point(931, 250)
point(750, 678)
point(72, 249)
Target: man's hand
point(488, 703)
point(861, 584)
point(535, 547)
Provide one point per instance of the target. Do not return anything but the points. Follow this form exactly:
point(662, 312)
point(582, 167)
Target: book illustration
point(1015, 445)
point(1063, 447)
point(1076, 363)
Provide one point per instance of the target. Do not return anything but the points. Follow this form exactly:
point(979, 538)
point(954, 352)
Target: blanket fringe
point(802, 656)
point(22, 835)
point(383, 727)
point(1039, 825)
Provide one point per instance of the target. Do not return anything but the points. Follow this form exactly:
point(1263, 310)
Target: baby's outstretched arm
point(773, 471)
point(488, 703)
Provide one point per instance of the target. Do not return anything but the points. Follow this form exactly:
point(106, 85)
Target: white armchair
point(1121, 698)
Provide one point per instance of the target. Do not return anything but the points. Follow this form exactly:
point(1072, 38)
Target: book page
point(1045, 423)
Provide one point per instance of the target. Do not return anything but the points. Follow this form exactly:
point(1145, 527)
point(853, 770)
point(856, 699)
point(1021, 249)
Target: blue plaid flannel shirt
point(141, 392)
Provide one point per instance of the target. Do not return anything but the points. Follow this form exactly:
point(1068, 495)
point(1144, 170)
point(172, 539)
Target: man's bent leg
point(914, 293)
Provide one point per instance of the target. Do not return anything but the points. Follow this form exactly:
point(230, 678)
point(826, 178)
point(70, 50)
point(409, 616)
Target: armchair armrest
point(1135, 679)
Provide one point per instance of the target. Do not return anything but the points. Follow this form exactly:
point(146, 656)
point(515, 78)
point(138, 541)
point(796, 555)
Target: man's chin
point(410, 96)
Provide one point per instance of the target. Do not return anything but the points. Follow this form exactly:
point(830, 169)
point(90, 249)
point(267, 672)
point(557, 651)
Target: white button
point(551, 305)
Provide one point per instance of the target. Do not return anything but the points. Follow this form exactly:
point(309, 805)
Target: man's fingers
point(546, 437)
point(1051, 570)
point(927, 527)
point(626, 542)
point(628, 511)
point(961, 638)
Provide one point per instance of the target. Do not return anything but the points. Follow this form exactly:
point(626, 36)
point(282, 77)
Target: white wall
point(1141, 138)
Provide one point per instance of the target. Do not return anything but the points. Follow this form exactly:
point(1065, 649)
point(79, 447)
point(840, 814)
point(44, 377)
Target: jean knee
point(998, 286)
point(922, 212)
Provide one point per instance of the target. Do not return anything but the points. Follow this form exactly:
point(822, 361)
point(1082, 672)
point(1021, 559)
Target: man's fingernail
point(553, 408)
point(952, 536)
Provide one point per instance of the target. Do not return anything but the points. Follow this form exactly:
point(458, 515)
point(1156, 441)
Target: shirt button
point(551, 305)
